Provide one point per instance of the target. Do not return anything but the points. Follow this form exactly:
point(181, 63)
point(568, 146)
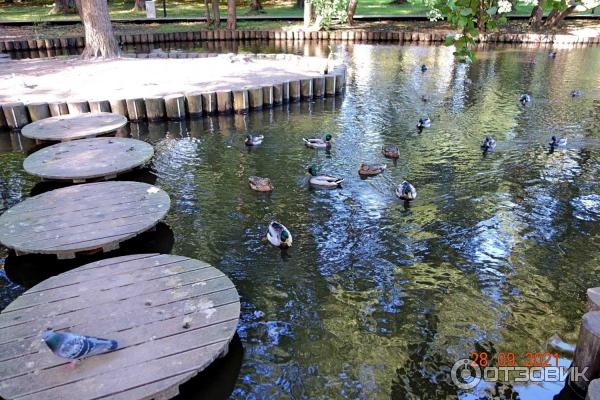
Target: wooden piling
point(99, 106)
point(306, 88)
point(587, 352)
point(224, 102)
point(3, 124)
point(155, 108)
point(119, 106)
point(318, 86)
point(339, 82)
point(58, 108)
point(16, 115)
point(593, 299)
point(330, 85)
point(193, 102)
point(294, 91)
point(38, 111)
point(175, 106)
point(240, 101)
point(78, 106)
point(209, 103)
point(268, 96)
point(136, 109)
point(278, 93)
point(255, 98)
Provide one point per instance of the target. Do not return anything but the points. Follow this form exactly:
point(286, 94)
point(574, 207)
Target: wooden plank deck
point(87, 217)
point(81, 160)
point(171, 315)
point(73, 126)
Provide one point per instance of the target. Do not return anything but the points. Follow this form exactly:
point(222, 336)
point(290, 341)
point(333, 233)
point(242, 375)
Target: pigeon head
point(52, 339)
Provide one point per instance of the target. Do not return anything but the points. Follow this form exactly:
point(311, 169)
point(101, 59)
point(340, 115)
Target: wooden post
point(330, 85)
point(255, 97)
point(3, 124)
point(240, 101)
point(99, 106)
point(285, 92)
point(319, 86)
point(306, 88)
point(339, 82)
point(593, 392)
point(155, 108)
point(15, 115)
point(136, 109)
point(593, 299)
point(587, 352)
point(38, 111)
point(119, 106)
point(194, 104)
point(295, 91)
point(268, 96)
point(278, 93)
point(209, 103)
point(78, 107)
point(224, 102)
point(58, 108)
point(175, 105)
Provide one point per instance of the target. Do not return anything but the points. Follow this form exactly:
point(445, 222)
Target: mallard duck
point(424, 122)
point(406, 191)
point(323, 180)
point(279, 236)
point(253, 140)
point(316, 143)
point(390, 152)
point(525, 98)
point(425, 98)
point(576, 93)
point(260, 184)
point(423, 68)
point(488, 144)
point(552, 54)
point(370, 170)
point(558, 142)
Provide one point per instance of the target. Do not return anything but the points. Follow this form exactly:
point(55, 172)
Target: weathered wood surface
point(92, 216)
point(85, 159)
point(70, 127)
point(171, 315)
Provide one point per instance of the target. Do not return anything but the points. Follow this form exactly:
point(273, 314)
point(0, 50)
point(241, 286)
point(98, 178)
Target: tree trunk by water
point(208, 14)
point(300, 3)
point(99, 38)
point(139, 5)
point(535, 20)
point(255, 5)
point(216, 17)
point(63, 7)
point(351, 10)
point(231, 17)
point(307, 13)
point(556, 17)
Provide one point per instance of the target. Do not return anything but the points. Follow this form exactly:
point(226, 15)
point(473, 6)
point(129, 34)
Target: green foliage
point(330, 10)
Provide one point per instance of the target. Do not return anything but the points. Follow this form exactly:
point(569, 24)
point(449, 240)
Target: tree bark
point(216, 17)
point(231, 17)
point(351, 10)
point(208, 13)
point(535, 20)
point(556, 17)
point(307, 13)
point(63, 7)
point(255, 5)
point(99, 38)
point(139, 5)
point(300, 3)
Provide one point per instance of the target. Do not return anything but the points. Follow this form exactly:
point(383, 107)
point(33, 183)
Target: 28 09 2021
point(510, 359)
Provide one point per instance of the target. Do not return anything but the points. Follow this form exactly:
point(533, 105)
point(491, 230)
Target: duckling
point(370, 170)
point(576, 93)
point(390, 152)
point(488, 144)
point(558, 142)
point(279, 236)
point(525, 98)
point(316, 143)
point(423, 68)
point(253, 140)
point(424, 122)
point(323, 180)
point(406, 191)
point(260, 184)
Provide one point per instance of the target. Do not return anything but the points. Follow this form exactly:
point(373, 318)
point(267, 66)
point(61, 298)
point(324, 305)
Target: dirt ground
point(55, 79)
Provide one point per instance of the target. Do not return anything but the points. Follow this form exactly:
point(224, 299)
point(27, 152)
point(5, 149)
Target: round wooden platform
point(70, 127)
point(92, 216)
point(171, 315)
point(81, 160)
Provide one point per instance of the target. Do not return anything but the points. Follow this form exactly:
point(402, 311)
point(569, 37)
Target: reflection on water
point(376, 300)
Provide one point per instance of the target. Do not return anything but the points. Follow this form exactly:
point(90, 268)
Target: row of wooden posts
point(344, 35)
point(181, 105)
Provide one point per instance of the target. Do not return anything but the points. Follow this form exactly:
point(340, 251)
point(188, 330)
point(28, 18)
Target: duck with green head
point(316, 143)
point(323, 180)
point(279, 236)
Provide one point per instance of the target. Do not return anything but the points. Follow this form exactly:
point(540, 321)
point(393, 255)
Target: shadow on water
point(31, 269)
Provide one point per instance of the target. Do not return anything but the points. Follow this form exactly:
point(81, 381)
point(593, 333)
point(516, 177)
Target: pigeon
point(253, 140)
point(75, 347)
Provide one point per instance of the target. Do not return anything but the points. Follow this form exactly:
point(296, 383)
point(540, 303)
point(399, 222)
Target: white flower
point(504, 6)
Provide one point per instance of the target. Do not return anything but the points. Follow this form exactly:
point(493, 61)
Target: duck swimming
point(558, 142)
point(423, 123)
point(390, 152)
point(370, 170)
point(323, 180)
point(576, 93)
point(423, 68)
point(253, 140)
point(279, 236)
point(260, 184)
point(488, 144)
point(525, 98)
point(316, 143)
point(406, 191)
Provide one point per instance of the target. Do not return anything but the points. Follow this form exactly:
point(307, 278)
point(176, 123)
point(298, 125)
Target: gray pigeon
point(74, 347)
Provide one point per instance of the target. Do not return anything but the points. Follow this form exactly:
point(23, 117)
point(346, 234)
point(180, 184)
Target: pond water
point(376, 300)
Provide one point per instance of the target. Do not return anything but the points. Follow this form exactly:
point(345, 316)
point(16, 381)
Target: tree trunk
point(351, 10)
point(208, 14)
point(216, 14)
point(139, 5)
point(231, 17)
point(535, 20)
point(255, 5)
point(307, 13)
point(99, 38)
point(63, 7)
point(556, 17)
point(300, 3)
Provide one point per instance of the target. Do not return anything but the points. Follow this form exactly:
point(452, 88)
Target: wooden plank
point(88, 158)
point(171, 315)
point(74, 126)
point(85, 217)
